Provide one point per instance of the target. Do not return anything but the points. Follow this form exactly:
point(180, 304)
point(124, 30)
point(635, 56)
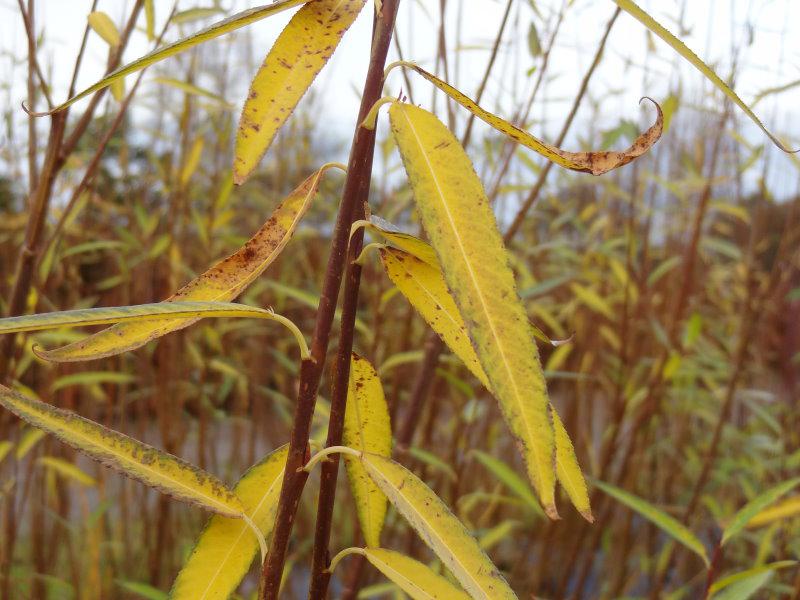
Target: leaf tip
point(587, 514)
point(551, 511)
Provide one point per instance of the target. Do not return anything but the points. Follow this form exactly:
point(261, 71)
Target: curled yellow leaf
point(595, 163)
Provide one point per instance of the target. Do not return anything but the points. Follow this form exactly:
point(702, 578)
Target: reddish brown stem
point(357, 182)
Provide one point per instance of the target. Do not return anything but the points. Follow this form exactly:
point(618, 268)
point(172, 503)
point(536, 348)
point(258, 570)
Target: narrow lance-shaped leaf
point(366, 428)
point(221, 283)
point(413, 577)
point(232, 23)
point(151, 466)
point(424, 286)
point(104, 27)
point(568, 470)
point(746, 587)
point(751, 576)
point(140, 313)
point(595, 163)
point(666, 523)
point(438, 528)
point(755, 506)
point(67, 470)
point(225, 549)
point(297, 56)
point(456, 215)
point(413, 245)
point(509, 478)
point(645, 19)
point(786, 509)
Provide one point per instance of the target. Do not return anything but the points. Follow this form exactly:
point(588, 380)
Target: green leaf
point(744, 588)
point(509, 478)
point(666, 523)
point(755, 506)
point(742, 583)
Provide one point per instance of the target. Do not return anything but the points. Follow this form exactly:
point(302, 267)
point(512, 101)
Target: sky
point(767, 32)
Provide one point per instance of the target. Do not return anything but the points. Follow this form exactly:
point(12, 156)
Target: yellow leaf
point(118, 90)
point(225, 549)
point(150, 19)
point(154, 468)
point(569, 471)
point(591, 299)
point(645, 19)
point(456, 215)
point(366, 428)
point(786, 509)
point(595, 163)
point(425, 288)
point(221, 283)
point(232, 23)
point(191, 162)
point(297, 56)
point(104, 27)
point(67, 469)
point(5, 448)
point(30, 438)
point(439, 528)
point(413, 577)
point(410, 243)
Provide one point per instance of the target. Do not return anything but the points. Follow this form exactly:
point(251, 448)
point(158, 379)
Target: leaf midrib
point(531, 433)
